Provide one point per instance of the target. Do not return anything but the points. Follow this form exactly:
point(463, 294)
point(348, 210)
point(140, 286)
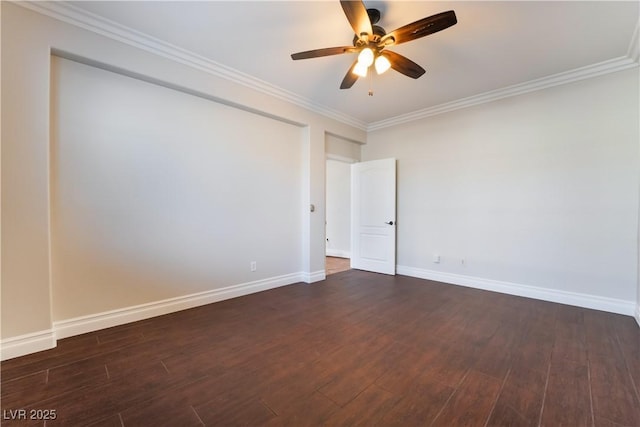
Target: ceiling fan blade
point(350, 78)
point(316, 53)
point(403, 65)
point(421, 28)
point(357, 16)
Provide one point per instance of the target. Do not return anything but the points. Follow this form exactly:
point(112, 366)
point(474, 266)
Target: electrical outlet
point(254, 266)
point(436, 259)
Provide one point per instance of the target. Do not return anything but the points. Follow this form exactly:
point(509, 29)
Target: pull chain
point(371, 83)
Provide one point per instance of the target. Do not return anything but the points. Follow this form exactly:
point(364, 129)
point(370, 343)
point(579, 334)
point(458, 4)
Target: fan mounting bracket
point(374, 15)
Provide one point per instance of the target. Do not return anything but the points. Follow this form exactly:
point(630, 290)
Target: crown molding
point(81, 18)
point(89, 21)
point(605, 67)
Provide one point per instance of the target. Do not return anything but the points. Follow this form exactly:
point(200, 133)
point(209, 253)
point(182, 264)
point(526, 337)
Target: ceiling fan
point(370, 41)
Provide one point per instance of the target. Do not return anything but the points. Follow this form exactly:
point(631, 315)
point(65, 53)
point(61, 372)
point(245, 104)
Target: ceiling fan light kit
point(370, 40)
point(366, 57)
point(382, 64)
point(360, 69)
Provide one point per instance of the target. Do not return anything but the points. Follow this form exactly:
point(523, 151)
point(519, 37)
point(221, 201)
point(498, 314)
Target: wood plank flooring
point(359, 349)
point(335, 265)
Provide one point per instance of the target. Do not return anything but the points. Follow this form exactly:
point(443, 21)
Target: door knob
point(389, 222)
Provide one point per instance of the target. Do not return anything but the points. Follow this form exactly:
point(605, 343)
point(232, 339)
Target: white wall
point(538, 190)
point(27, 305)
point(338, 208)
point(571, 242)
point(157, 193)
point(344, 149)
point(340, 153)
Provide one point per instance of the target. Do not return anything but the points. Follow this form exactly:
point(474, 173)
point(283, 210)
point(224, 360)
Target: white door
point(373, 216)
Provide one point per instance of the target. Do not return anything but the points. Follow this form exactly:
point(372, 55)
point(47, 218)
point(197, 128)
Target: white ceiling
point(494, 45)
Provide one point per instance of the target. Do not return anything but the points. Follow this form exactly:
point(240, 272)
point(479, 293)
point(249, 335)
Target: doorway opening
point(338, 214)
point(340, 154)
point(361, 215)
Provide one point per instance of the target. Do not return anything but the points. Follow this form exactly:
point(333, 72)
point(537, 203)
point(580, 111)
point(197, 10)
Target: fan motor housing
point(378, 31)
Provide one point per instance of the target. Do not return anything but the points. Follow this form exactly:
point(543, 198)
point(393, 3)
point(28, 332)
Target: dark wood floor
point(358, 349)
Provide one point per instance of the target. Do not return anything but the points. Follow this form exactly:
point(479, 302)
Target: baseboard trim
point(338, 253)
point(638, 314)
point(94, 322)
point(611, 305)
point(314, 276)
point(27, 344)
